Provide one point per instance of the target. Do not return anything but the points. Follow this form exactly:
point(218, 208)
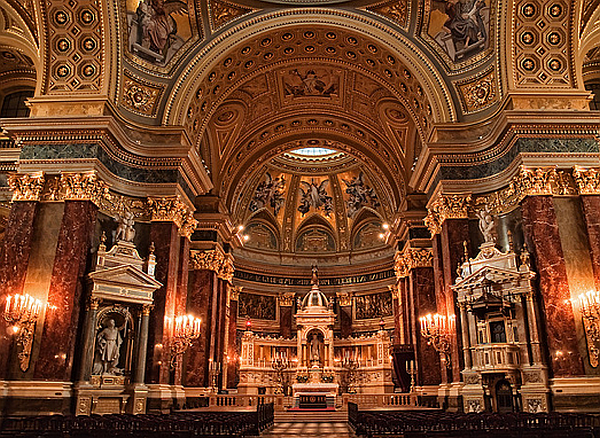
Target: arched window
point(13, 104)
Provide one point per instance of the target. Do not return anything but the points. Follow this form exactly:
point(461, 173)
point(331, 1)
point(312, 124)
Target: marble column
point(89, 332)
point(201, 288)
point(142, 347)
point(542, 237)
point(15, 249)
point(401, 319)
point(233, 362)
point(67, 285)
point(591, 208)
point(285, 320)
point(166, 241)
point(454, 233)
point(421, 291)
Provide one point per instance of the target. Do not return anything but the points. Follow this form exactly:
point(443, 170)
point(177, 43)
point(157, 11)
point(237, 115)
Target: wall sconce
point(22, 312)
point(187, 328)
point(590, 310)
point(437, 329)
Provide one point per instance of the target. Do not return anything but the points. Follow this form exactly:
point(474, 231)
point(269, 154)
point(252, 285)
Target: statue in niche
point(108, 349)
point(125, 230)
point(315, 349)
point(315, 196)
point(486, 224)
point(360, 195)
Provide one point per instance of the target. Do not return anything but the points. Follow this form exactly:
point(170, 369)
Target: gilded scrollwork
point(83, 187)
point(26, 187)
point(213, 260)
point(344, 298)
point(587, 180)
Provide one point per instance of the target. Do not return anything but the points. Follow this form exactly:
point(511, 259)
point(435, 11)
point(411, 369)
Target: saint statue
point(486, 224)
point(108, 345)
point(126, 230)
point(315, 349)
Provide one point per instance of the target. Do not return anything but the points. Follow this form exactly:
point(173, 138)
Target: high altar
point(315, 366)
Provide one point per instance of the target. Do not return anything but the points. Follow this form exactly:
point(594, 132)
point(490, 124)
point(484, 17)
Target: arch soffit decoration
point(390, 182)
point(589, 40)
point(199, 71)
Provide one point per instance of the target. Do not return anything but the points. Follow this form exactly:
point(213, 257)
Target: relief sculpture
point(310, 82)
point(257, 306)
point(373, 306)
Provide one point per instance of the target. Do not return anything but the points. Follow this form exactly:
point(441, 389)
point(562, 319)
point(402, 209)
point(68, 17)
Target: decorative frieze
point(27, 187)
point(173, 210)
point(412, 258)
point(213, 260)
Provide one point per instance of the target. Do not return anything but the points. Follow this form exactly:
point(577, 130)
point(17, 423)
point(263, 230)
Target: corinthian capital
point(27, 187)
point(446, 207)
point(173, 210)
point(213, 260)
point(412, 258)
point(83, 187)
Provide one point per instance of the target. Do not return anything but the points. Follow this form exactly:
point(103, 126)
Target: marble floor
point(310, 430)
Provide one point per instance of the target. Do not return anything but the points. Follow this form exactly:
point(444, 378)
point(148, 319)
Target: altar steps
point(311, 417)
point(310, 430)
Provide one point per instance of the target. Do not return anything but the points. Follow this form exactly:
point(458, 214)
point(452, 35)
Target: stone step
point(310, 430)
point(311, 417)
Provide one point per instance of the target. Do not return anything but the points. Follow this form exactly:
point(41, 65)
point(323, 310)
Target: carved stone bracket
point(412, 258)
point(26, 187)
point(446, 207)
point(173, 210)
point(213, 260)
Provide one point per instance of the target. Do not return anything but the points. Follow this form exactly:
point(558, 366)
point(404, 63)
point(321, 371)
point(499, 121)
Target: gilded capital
point(534, 181)
point(83, 187)
point(446, 207)
point(146, 309)
point(213, 260)
point(234, 292)
point(344, 299)
point(587, 180)
point(286, 299)
point(27, 187)
point(412, 258)
point(173, 210)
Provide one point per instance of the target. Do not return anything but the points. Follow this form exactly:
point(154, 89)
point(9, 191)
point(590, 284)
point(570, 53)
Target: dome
point(315, 298)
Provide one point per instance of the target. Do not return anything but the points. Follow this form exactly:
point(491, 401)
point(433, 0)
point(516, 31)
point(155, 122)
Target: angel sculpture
point(315, 196)
point(125, 230)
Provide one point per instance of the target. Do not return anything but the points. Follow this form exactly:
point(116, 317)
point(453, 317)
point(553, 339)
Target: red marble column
point(454, 233)
point(183, 276)
point(201, 288)
point(166, 241)
point(401, 317)
point(285, 321)
point(421, 291)
point(232, 348)
point(591, 210)
point(222, 328)
point(542, 237)
point(345, 321)
point(66, 290)
point(15, 249)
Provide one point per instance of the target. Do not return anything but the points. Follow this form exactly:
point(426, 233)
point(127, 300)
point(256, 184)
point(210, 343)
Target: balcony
point(496, 357)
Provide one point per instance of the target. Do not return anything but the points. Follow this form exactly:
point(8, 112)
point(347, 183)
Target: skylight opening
point(314, 152)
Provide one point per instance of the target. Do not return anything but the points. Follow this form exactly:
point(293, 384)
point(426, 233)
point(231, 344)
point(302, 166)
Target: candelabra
point(350, 367)
point(437, 329)
point(590, 311)
point(22, 311)
point(412, 370)
point(279, 364)
point(187, 328)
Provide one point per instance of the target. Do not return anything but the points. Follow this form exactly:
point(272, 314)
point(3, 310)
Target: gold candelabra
point(280, 363)
point(589, 304)
point(186, 330)
point(437, 329)
point(22, 311)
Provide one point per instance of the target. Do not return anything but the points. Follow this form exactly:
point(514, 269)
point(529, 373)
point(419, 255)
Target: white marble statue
point(108, 346)
point(486, 224)
point(125, 230)
point(315, 348)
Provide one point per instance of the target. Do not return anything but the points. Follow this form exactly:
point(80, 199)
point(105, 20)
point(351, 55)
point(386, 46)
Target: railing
point(369, 401)
point(212, 400)
point(496, 356)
